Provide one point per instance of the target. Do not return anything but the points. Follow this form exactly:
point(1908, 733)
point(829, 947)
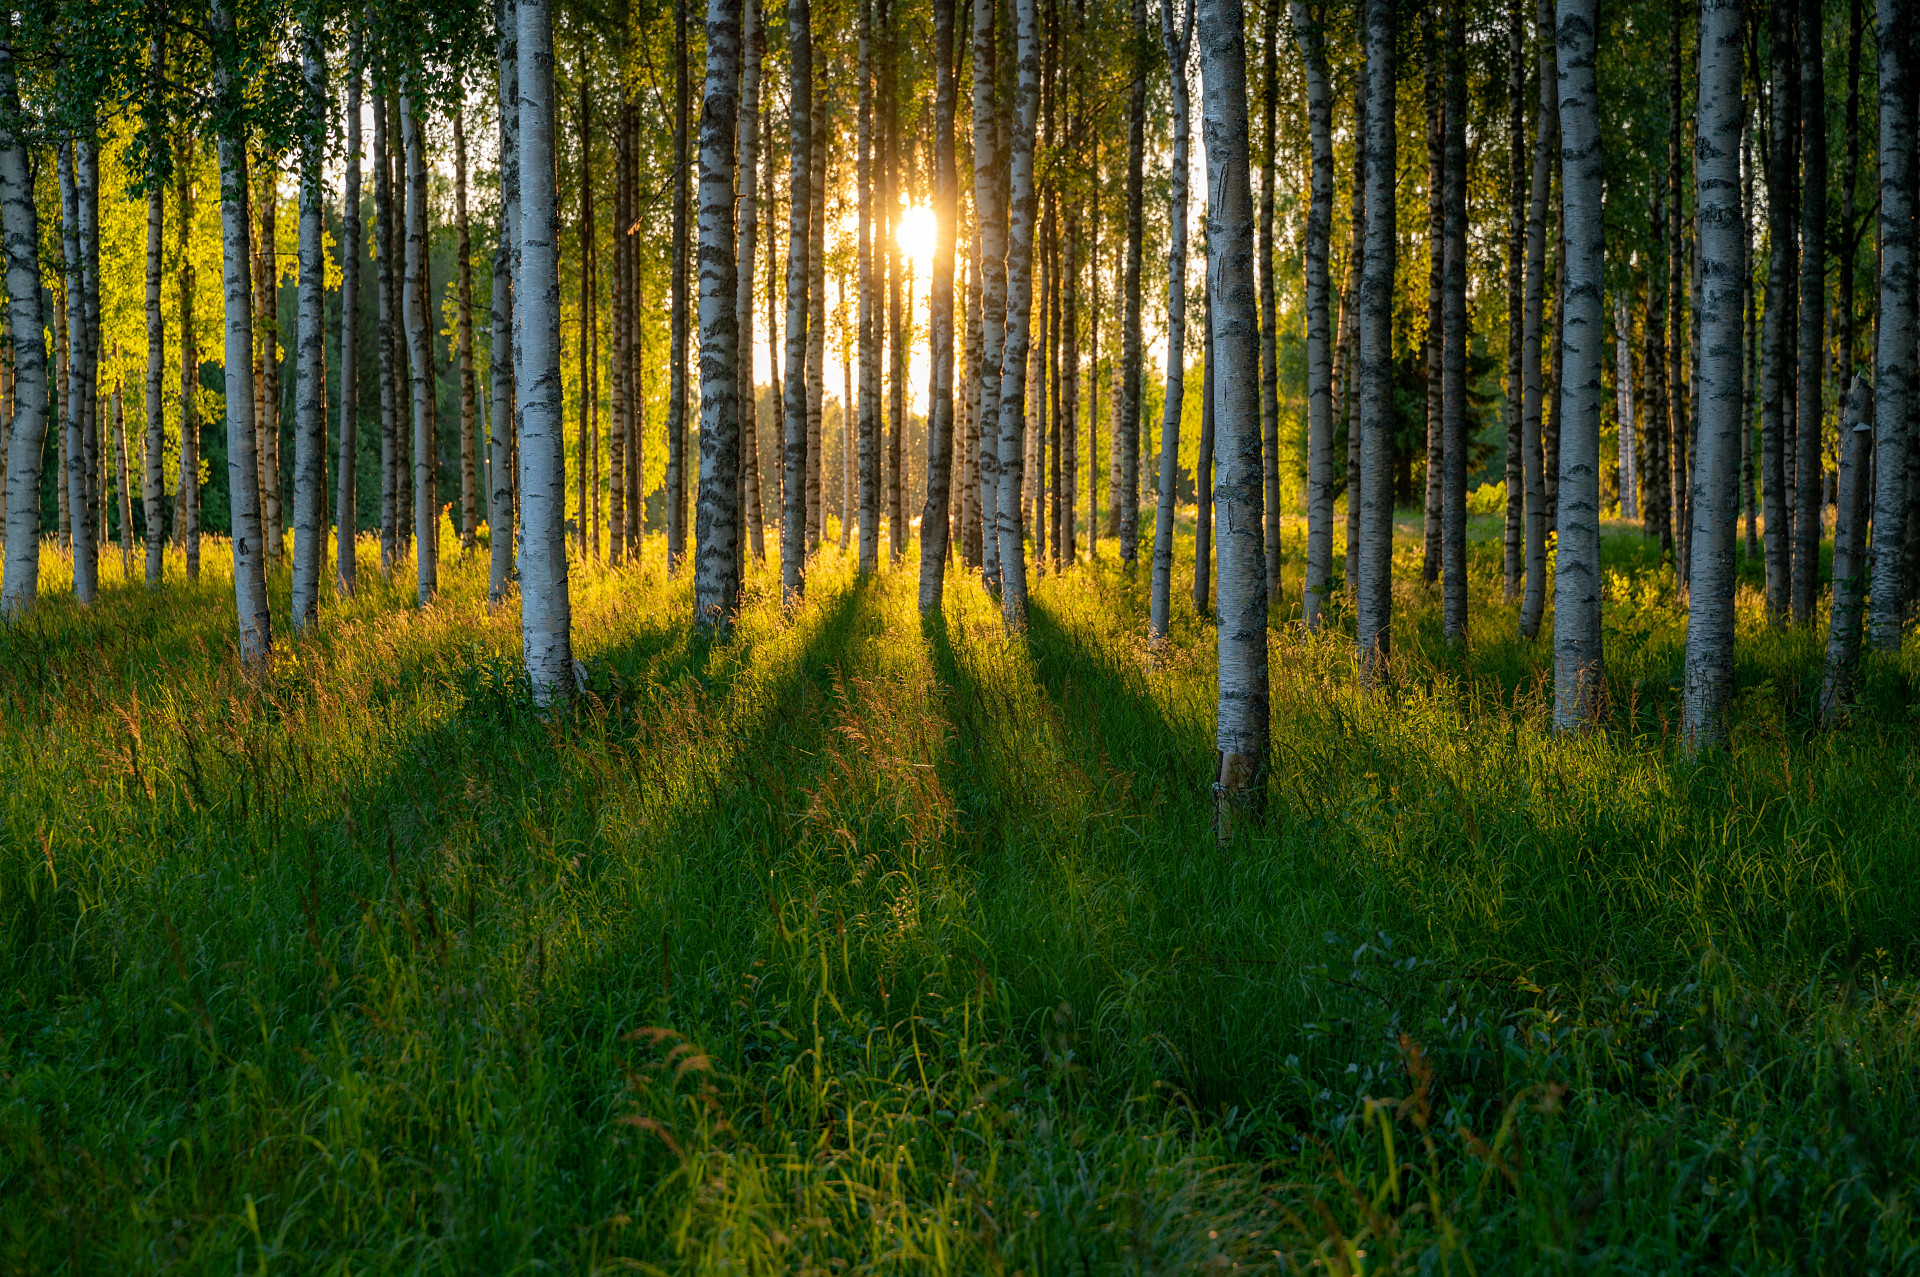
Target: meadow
point(861, 945)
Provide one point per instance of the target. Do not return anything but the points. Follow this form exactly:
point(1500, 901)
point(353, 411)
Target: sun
point(916, 231)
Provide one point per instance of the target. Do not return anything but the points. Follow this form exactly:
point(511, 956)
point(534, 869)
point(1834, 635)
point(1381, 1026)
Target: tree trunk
point(676, 481)
point(1579, 673)
point(1070, 391)
point(1546, 134)
point(1849, 555)
point(1127, 423)
point(1514, 541)
point(1374, 614)
point(817, 310)
point(1894, 354)
point(1434, 343)
point(1356, 294)
point(1809, 486)
point(1308, 30)
point(1659, 485)
point(79, 373)
point(186, 498)
point(153, 487)
point(1239, 788)
point(585, 449)
point(793, 525)
point(1269, 328)
point(775, 298)
point(266, 321)
point(746, 243)
point(988, 185)
point(1750, 337)
point(1623, 393)
point(716, 581)
point(347, 498)
point(934, 530)
point(1779, 324)
point(869, 332)
point(426, 501)
point(383, 240)
point(20, 222)
point(463, 283)
point(500, 434)
point(1714, 503)
point(1013, 365)
point(545, 609)
point(310, 342)
point(126, 486)
point(1453, 452)
point(249, 568)
point(1677, 434)
point(1176, 46)
point(1203, 470)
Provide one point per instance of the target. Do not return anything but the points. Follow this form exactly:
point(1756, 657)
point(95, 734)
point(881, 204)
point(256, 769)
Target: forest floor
point(859, 945)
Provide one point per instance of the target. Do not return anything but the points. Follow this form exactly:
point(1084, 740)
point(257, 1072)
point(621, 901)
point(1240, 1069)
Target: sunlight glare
point(916, 232)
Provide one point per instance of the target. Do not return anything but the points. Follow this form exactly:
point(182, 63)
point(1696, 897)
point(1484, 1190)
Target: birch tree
point(716, 580)
point(934, 527)
point(501, 427)
point(1849, 554)
point(1013, 362)
point(463, 329)
point(1374, 613)
point(1533, 605)
point(1714, 503)
point(186, 497)
point(20, 229)
point(545, 608)
point(1809, 482)
point(1514, 562)
point(1309, 31)
point(1269, 328)
point(1177, 44)
point(1239, 787)
point(1453, 409)
point(73, 399)
point(1578, 672)
point(869, 546)
point(310, 403)
point(793, 521)
point(1894, 347)
point(988, 185)
point(249, 566)
point(676, 481)
point(153, 486)
point(1127, 423)
point(426, 498)
point(347, 497)
point(746, 243)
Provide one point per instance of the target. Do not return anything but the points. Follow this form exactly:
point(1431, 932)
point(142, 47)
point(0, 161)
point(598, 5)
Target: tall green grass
point(863, 945)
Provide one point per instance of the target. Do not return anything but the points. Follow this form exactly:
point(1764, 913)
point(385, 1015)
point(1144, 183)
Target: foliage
point(862, 946)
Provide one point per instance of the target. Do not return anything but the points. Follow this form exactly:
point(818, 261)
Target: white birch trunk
point(153, 486)
point(1533, 604)
point(20, 230)
point(988, 184)
point(1894, 352)
point(716, 578)
point(243, 484)
point(1320, 376)
point(1241, 733)
point(426, 501)
point(746, 243)
point(73, 399)
point(1013, 361)
point(1374, 596)
point(1579, 673)
point(1849, 554)
point(1176, 45)
point(935, 528)
point(1453, 360)
point(310, 396)
point(500, 431)
point(793, 522)
point(346, 503)
point(1623, 383)
point(546, 617)
point(869, 547)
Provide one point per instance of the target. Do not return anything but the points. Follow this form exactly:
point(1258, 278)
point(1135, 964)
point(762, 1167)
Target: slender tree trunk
point(1013, 365)
point(501, 425)
point(1308, 30)
point(1546, 140)
point(463, 277)
point(716, 582)
point(793, 527)
point(1714, 502)
point(1623, 394)
point(746, 244)
point(545, 607)
point(1127, 422)
point(310, 342)
point(426, 501)
point(585, 449)
point(1659, 513)
point(79, 373)
point(1779, 324)
point(20, 229)
point(1453, 453)
point(1677, 434)
point(817, 310)
point(1849, 554)
point(153, 486)
point(1809, 487)
point(347, 497)
point(900, 359)
point(676, 482)
point(1177, 45)
point(1750, 337)
point(267, 394)
point(1579, 672)
point(1514, 560)
point(988, 186)
point(1894, 353)
point(1356, 294)
point(1269, 327)
point(1374, 615)
point(933, 518)
point(249, 569)
point(869, 550)
point(1203, 475)
point(1069, 513)
point(383, 239)
point(776, 295)
point(186, 498)
point(619, 412)
point(1239, 788)
point(125, 483)
point(1434, 344)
